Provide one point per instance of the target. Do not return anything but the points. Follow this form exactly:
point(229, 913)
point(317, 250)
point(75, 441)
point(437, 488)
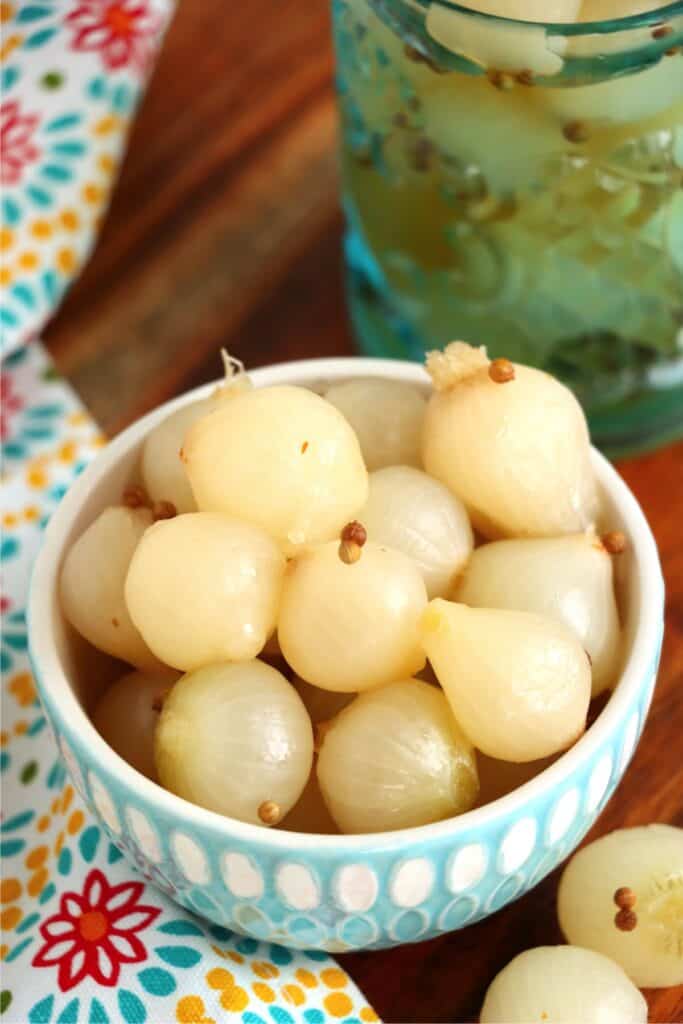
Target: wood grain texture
point(225, 230)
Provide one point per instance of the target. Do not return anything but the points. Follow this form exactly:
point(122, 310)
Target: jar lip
point(572, 28)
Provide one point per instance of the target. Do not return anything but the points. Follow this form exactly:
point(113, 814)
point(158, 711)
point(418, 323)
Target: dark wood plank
point(225, 230)
point(230, 178)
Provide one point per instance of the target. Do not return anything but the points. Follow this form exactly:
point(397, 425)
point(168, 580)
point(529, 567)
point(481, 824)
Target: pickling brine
point(520, 184)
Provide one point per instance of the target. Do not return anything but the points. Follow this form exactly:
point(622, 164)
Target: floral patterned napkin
point(85, 939)
point(71, 76)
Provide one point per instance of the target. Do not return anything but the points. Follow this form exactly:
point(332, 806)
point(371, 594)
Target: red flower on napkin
point(10, 403)
point(124, 31)
point(94, 933)
point(16, 148)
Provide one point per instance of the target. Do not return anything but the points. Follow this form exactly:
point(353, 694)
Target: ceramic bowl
point(339, 893)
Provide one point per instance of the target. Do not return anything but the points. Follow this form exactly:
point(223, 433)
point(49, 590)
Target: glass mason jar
point(520, 185)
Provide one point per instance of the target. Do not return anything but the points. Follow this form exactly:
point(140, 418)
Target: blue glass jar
point(520, 185)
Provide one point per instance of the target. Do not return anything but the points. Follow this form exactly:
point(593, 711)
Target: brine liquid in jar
point(519, 184)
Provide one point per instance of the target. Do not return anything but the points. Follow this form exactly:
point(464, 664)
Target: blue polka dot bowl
point(339, 893)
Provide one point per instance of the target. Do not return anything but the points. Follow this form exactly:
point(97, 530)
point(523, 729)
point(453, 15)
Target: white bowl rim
point(308, 371)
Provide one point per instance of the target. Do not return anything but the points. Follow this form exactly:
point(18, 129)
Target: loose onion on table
point(413, 513)
point(204, 588)
point(519, 684)
point(396, 758)
point(515, 449)
point(236, 739)
point(349, 627)
point(92, 584)
point(643, 928)
point(282, 458)
point(567, 578)
point(562, 985)
point(126, 716)
point(386, 416)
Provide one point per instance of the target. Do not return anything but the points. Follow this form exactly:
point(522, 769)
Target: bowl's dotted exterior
point(144, 834)
point(376, 895)
point(242, 876)
point(466, 867)
point(355, 887)
point(411, 882)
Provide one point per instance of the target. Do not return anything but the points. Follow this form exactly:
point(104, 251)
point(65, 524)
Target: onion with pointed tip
point(518, 684)
point(566, 578)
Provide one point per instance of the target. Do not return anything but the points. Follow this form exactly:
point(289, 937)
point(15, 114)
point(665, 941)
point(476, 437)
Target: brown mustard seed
point(349, 552)
point(625, 898)
point(626, 920)
point(269, 812)
point(164, 510)
point(115, 622)
point(672, 52)
point(355, 532)
point(614, 542)
point(353, 537)
point(501, 371)
point(575, 131)
point(525, 77)
point(134, 497)
point(662, 31)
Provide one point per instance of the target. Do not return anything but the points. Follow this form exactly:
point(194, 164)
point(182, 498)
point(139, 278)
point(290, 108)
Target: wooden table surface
point(225, 231)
